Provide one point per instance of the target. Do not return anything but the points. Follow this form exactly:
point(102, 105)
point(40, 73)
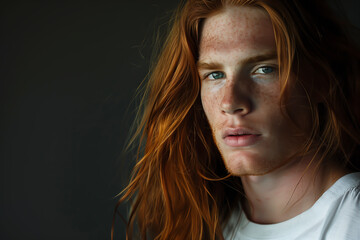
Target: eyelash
point(273, 70)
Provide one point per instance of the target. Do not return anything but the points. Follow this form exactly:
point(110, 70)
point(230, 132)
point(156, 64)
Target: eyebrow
point(211, 65)
point(249, 60)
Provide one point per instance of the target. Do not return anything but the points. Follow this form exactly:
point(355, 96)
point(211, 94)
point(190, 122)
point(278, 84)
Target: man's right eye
point(216, 75)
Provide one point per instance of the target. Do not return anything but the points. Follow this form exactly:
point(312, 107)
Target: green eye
point(216, 75)
point(264, 70)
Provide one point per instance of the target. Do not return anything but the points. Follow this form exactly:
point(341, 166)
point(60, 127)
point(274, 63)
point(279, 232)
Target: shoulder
point(343, 218)
point(346, 191)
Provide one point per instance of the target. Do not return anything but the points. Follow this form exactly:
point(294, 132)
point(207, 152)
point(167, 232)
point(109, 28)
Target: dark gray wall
point(68, 72)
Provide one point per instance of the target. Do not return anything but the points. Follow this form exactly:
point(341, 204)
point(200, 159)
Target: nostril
point(235, 103)
point(243, 110)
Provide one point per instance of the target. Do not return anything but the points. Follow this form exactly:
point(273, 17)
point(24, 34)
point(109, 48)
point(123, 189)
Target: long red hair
point(180, 188)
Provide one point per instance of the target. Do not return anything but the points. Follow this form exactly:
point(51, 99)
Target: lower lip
point(241, 140)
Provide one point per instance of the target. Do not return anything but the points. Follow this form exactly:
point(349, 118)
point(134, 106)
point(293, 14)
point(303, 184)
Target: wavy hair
point(180, 188)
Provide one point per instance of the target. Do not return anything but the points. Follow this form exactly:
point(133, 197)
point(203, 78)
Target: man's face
point(240, 93)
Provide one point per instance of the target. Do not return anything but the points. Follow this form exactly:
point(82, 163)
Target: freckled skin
point(245, 99)
point(235, 35)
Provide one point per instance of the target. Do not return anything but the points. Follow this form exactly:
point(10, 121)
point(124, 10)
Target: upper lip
point(239, 131)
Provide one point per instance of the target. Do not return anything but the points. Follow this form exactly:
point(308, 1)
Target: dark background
point(68, 75)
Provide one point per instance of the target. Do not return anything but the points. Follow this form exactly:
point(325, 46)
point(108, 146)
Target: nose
point(236, 99)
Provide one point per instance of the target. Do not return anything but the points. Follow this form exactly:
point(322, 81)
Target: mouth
point(241, 137)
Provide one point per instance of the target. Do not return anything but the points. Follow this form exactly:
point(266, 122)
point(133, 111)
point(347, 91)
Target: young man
point(250, 129)
point(240, 95)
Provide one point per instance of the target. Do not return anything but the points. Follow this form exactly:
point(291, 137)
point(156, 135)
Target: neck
point(287, 191)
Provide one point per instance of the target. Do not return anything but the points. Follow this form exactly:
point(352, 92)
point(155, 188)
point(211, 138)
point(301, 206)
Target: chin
point(240, 172)
point(248, 163)
point(241, 165)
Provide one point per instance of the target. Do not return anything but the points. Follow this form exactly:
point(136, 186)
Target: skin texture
point(241, 90)
point(234, 43)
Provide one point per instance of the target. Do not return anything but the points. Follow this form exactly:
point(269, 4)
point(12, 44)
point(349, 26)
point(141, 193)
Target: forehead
point(237, 27)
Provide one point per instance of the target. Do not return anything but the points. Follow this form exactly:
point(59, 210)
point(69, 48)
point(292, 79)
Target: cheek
point(209, 102)
point(265, 101)
point(268, 94)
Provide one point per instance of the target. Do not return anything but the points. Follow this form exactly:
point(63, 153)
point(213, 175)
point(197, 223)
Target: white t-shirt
point(334, 216)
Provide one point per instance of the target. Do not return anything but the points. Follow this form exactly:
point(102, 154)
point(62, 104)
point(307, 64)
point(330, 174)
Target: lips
point(240, 137)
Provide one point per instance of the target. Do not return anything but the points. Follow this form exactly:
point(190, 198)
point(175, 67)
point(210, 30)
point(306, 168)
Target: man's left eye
point(264, 70)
